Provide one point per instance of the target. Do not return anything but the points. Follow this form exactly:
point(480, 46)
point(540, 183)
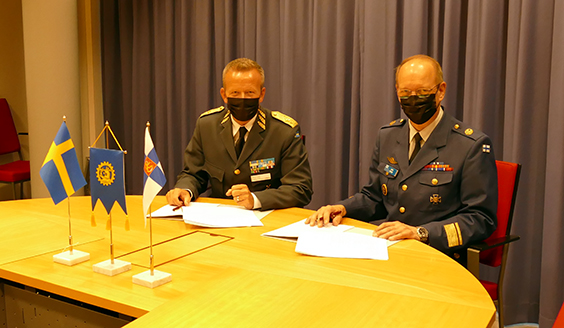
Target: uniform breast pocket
point(216, 174)
point(438, 191)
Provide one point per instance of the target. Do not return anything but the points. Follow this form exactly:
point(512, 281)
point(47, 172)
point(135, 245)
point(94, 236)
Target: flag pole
point(70, 233)
point(106, 127)
point(151, 257)
point(68, 210)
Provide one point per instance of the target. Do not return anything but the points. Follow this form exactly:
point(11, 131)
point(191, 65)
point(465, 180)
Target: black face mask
point(243, 109)
point(419, 109)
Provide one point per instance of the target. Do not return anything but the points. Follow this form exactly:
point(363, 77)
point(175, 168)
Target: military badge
point(392, 160)
point(262, 165)
point(391, 171)
point(486, 148)
point(437, 166)
point(435, 199)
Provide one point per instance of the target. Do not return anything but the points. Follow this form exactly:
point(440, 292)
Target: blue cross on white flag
point(153, 177)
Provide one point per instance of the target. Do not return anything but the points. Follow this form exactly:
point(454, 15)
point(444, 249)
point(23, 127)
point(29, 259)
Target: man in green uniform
point(245, 151)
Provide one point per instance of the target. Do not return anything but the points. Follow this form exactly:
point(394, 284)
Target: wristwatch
point(423, 235)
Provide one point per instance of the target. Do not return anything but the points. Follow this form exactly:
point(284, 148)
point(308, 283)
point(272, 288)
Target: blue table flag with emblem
point(153, 174)
point(107, 178)
point(60, 170)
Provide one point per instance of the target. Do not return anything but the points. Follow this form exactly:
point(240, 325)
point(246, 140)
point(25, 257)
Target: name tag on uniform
point(260, 177)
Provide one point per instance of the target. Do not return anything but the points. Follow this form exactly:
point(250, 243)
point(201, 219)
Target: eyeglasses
point(421, 92)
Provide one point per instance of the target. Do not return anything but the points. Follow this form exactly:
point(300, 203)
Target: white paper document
point(213, 215)
point(343, 245)
point(293, 231)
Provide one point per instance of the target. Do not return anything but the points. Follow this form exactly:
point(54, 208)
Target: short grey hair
point(243, 65)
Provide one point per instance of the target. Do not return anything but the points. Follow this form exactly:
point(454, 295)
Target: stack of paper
point(333, 241)
point(213, 215)
point(345, 245)
point(293, 231)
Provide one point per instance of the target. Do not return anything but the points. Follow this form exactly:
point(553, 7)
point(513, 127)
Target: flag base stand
point(106, 267)
point(69, 259)
point(158, 278)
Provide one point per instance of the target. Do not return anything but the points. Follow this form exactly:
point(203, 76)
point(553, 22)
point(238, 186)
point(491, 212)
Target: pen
point(177, 207)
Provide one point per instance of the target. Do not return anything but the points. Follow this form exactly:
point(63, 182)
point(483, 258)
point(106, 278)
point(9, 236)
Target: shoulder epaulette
point(284, 118)
point(398, 122)
point(212, 111)
point(467, 131)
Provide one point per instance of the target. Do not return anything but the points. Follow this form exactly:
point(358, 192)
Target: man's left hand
point(242, 195)
point(395, 231)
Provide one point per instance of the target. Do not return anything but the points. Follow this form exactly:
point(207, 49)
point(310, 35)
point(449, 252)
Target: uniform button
point(456, 256)
point(404, 187)
point(434, 181)
point(237, 172)
point(402, 210)
point(456, 126)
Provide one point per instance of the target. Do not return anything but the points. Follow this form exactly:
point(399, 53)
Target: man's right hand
point(326, 214)
point(178, 197)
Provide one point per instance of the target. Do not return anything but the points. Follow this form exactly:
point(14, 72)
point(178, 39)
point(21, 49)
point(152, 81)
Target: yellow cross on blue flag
point(60, 170)
point(153, 177)
point(107, 179)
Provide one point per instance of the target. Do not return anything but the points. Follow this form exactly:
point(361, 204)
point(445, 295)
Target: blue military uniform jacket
point(450, 188)
point(273, 163)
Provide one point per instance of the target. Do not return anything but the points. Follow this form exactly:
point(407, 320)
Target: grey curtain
point(330, 65)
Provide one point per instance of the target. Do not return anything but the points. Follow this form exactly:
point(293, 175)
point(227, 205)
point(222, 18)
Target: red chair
point(493, 251)
point(559, 323)
point(17, 171)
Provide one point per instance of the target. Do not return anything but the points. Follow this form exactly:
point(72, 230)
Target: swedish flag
point(107, 179)
point(60, 170)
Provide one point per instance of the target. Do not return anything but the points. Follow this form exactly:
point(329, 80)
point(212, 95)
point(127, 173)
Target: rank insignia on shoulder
point(392, 160)
point(391, 171)
point(284, 118)
point(212, 111)
point(396, 122)
point(486, 148)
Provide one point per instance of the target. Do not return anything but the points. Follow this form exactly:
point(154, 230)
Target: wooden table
point(241, 279)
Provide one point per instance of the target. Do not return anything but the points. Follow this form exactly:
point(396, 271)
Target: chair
point(493, 251)
point(17, 171)
point(559, 323)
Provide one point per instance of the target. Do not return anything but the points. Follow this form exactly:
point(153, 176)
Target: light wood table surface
point(241, 279)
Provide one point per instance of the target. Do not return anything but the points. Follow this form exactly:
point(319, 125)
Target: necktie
point(417, 147)
point(241, 141)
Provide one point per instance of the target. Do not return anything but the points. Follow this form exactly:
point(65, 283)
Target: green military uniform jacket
point(273, 163)
point(450, 188)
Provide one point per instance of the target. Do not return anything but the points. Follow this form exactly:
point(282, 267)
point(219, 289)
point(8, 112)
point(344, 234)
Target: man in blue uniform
point(432, 177)
point(245, 151)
